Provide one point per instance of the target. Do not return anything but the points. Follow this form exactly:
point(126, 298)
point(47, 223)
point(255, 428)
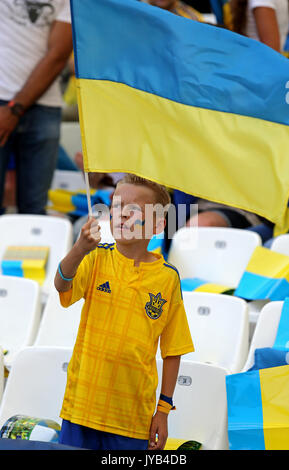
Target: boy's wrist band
point(67, 279)
point(165, 407)
point(167, 399)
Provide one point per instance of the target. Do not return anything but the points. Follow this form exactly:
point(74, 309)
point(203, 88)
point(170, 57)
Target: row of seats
point(216, 254)
point(36, 384)
point(34, 325)
point(219, 323)
point(221, 337)
point(39, 372)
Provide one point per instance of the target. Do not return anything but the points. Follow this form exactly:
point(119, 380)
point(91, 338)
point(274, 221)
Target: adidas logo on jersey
point(104, 287)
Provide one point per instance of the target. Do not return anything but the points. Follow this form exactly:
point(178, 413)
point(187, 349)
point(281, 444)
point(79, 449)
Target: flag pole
point(88, 193)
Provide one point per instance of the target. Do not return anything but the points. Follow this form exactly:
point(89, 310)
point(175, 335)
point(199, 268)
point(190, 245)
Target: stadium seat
point(254, 309)
point(265, 330)
point(70, 138)
point(220, 329)
point(36, 384)
point(38, 230)
point(20, 310)
point(281, 244)
point(58, 325)
point(201, 406)
point(105, 231)
point(68, 180)
point(215, 254)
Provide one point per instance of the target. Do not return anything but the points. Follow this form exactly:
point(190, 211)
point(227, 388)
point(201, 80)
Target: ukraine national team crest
point(154, 307)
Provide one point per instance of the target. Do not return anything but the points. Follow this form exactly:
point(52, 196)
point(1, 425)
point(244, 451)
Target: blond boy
point(132, 300)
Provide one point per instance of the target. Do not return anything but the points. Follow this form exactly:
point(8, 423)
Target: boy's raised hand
point(89, 236)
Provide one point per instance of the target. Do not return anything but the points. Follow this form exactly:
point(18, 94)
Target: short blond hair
point(161, 193)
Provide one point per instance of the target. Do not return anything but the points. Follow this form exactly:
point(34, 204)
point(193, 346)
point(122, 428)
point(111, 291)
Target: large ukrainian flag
point(183, 103)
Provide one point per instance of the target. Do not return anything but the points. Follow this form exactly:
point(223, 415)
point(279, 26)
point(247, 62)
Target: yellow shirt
point(112, 376)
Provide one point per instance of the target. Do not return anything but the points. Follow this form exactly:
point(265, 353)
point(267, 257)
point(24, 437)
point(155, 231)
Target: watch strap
point(16, 108)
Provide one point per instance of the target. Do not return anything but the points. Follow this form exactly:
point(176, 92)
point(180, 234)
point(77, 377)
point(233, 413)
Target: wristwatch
point(16, 108)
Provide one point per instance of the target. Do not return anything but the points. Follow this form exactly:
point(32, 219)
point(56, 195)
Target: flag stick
point(88, 194)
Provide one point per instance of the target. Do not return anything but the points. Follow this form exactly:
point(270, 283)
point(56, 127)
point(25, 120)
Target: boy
point(132, 298)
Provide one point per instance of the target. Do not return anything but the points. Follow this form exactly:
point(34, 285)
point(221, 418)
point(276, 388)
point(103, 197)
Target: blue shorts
point(87, 438)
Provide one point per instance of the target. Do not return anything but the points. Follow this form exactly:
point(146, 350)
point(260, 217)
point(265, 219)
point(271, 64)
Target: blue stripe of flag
point(256, 287)
point(153, 50)
point(245, 415)
point(12, 268)
point(190, 284)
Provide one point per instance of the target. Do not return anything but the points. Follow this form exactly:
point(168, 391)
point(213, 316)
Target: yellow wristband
point(164, 407)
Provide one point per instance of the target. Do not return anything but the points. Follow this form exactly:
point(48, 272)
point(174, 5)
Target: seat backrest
point(58, 325)
point(105, 231)
point(201, 406)
point(68, 180)
point(36, 383)
point(38, 230)
point(20, 310)
point(70, 138)
point(215, 254)
point(219, 326)
point(265, 331)
point(281, 244)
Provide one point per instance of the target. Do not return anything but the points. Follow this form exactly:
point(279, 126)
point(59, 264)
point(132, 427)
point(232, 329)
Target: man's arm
point(159, 423)
point(43, 75)
point(267, 27)
point(48, 69)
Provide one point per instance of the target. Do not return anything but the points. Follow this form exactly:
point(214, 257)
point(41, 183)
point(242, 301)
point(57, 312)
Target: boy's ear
point(159, 226)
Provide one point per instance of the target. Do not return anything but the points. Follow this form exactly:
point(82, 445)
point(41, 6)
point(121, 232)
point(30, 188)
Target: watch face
point(17, 109)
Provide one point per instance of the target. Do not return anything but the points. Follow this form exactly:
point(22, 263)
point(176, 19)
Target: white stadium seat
point(265, 330)
point(38, 230)
point(201, 405)
point(20, 310)
point(70, 138)
point(68, 180)
point(281, 244)
point(215, 254)
point(219, 327)
point(36, 384)
point(58, 325)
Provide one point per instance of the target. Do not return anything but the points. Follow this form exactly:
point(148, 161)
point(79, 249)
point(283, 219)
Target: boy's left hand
point(159, 426)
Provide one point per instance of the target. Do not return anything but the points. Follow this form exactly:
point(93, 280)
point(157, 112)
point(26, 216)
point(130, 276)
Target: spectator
point(35, 44)
point(211, 214)
point(178, 7)
point(264, 20)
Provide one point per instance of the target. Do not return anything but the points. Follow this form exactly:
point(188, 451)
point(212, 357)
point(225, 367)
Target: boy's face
point(132, 213)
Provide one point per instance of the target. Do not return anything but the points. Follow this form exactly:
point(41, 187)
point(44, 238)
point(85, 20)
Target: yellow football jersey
point(112, 375)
